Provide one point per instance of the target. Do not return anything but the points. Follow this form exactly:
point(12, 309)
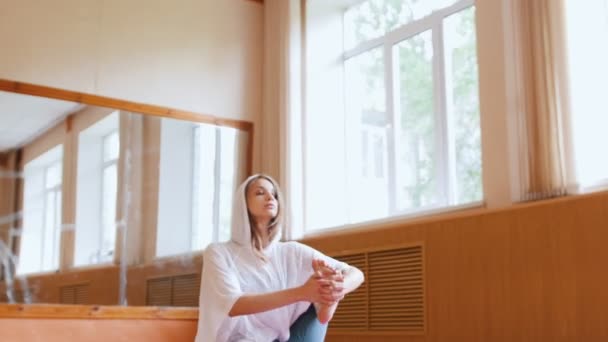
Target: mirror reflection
point(103, 206)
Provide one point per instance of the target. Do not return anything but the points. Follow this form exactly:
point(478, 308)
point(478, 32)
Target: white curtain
point(541, 129)
point(281, 133)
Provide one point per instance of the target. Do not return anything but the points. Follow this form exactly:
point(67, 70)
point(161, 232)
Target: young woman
point(256, 288)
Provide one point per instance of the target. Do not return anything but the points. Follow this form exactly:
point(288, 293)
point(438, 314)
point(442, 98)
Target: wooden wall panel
point(104, 280)
point(102, 284)
point(533, 272)
point(166, 267)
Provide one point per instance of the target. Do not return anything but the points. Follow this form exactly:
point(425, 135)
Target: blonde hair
point(275, 224)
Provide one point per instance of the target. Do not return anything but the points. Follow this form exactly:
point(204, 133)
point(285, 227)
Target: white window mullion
point(393, 127)
point(110, 162)
point(442, 139)
point(348, 129)
point(216, 185)
point(364, 47)
point(449, 122)
point(411, 30)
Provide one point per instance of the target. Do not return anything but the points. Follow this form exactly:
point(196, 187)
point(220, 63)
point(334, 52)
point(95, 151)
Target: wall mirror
point(110, 202)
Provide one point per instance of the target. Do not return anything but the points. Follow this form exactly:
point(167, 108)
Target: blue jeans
point(307, 328)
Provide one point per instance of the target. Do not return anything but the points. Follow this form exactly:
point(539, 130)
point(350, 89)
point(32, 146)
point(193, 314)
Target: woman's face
point(261, 200)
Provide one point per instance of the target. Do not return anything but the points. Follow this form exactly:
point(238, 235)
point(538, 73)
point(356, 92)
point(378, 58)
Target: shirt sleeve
point(220, 289)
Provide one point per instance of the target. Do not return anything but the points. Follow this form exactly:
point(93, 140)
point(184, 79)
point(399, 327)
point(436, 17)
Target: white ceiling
point(25, 117)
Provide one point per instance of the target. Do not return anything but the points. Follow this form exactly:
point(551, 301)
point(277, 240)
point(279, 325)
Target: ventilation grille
point(392, 297)
point(182, 290)
point(352, 311)
point(74, 294)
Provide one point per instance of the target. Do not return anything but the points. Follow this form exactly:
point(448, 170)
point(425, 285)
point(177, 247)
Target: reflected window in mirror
point(41, 234)
point(198, 175)
point(97, 184)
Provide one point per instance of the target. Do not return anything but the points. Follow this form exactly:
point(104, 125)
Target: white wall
point(198, 55)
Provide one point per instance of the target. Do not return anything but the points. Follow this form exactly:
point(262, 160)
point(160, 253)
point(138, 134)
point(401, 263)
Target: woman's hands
point(335, 278)
point(335, 284)
point(325, 286)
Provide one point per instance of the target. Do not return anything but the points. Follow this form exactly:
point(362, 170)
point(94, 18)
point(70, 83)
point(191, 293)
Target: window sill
point(35, 274)
point(598, 186)
point(178, 257)
point(438, 213)
point(91, 266)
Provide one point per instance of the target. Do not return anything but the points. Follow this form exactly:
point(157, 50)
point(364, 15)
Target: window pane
point(227, 180)
point(108, 213)
point(41, 220)
point(53, 175)
point(98, 151)
point(417, 157)
point(51, 231)
point(366, 120)
point(204, 188)
point(111, 146)
point(49, 227)
point(463, 105)
point(57, 230)
point(33, 221)
point(588, 72)
point(373, 18)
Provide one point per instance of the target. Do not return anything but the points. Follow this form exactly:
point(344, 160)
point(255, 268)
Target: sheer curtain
point(542, 109)
point(281, 134)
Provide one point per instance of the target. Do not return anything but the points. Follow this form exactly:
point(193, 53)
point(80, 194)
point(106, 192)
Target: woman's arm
point(342, 283)
point(314, 290)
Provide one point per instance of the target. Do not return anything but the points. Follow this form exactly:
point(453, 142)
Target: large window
point(41, 235)
point(198, 176)
point(587, 29)
point(214, 184)
point(410, 132)
point(96, 192)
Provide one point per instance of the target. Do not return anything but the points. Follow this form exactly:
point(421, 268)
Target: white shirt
point(231, 270)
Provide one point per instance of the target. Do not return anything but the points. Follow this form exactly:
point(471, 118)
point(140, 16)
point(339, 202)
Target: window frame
point(446, 160)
